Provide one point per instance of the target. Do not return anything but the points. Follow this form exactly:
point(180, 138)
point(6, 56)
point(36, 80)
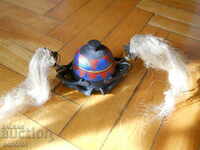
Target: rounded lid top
point(94, 50)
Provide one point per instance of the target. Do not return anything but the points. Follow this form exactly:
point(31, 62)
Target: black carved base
point(69, 79)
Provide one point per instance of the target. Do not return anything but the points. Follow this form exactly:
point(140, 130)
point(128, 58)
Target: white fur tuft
point(156, 53)
point(34, 90)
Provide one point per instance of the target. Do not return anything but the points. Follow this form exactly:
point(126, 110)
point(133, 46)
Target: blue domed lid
point(94, 59)
point(94, 56)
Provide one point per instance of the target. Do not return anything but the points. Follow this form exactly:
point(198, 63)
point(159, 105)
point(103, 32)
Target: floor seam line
point(157, 133)
point(75, 114)
point(123, 110)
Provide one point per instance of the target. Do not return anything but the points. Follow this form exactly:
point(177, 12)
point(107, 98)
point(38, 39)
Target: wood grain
point(66, 8)
point(187, 5)
point(24, 36)
point(196, 1)
point(188, 46)
point(98, 115)
point(131, 25)
point(38, 6)
point(138, 125)
point(4, 7)
point(14, 57)
point(135, 123)
point(177, 132)
point(121, 34)
point(81, 19)
point(174, 26)
point(9, 79)
point(55, 114)
point(152, 30)
point(20, 59)
point(172, 13)
point(21, 133)
point(33, 20)
point(162, 33)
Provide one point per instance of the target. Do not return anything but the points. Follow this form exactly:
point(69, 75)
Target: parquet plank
point(162, 33)
point(177, 27)
point(188, 5)
point(179, 15)
point(91, 33)
point(101, 112)
point(38, 6)
point(136, 128)
point(131, 25)
point(188, 46)
point(5, 7)
point(9, 79)
point(148, 29)
point(196, 1)
point(135, 124)
point(178, 132)
point(79, 20)
point(20, 59)
point(13, 31)
point(21, 133)
point(66, 8)
point(135, 26)
point(15, 57)
point(152, 30)
point(24, 16)
point(54, 115)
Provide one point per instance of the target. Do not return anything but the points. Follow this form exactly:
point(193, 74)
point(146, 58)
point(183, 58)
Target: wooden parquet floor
point(121, 120)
